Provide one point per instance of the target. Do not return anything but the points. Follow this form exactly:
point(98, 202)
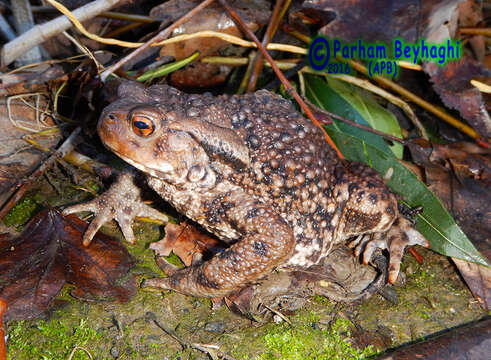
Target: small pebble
point(216, 326)
point(277, 319)
point(115, 352)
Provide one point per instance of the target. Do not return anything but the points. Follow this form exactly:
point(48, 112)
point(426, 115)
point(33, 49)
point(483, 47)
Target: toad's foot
point(400, 235)
point(122, 203)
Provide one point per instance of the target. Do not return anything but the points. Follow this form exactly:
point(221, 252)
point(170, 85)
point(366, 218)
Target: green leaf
point(435, 223)
point(355, 104)
point(167, 68)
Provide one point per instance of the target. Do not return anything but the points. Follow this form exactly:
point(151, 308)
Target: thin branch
point(351, 122)
point(24, 21)
point(257, 62)
point(105, 14)
point(164, 34)
point(288, 87)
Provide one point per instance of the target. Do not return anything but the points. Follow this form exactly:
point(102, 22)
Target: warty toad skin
point(251, 170)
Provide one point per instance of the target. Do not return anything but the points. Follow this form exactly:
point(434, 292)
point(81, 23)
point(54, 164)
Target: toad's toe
point(157, 283)
point(400, 235)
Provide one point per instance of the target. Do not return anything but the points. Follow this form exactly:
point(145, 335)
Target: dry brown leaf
point(185, 241)
point(36, 264)
point(459, 174)
point(470, 15)
point(214, 17)
point(452, 83)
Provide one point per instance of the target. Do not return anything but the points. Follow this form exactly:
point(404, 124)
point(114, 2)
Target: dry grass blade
point(41, 115)
point(233, 40)
point(482, 87)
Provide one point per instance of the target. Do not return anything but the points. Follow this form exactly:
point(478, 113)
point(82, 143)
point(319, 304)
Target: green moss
point(21, 212)
point(307, 342)
point(322, 300)
point(174, 260)
point(57, 340)
point(93, 186)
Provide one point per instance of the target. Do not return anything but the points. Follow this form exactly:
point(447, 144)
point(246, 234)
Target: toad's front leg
point(266, 241)
point(122, 203)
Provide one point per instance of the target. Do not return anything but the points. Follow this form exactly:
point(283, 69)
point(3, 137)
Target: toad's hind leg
point(267, 241)
point(371, 216)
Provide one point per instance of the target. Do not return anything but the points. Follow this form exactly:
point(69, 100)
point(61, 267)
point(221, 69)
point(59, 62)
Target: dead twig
point(164, 34)
point(6, 30)
point(128, 17)
point(22, 13)
point(288, 87)
point(279, 314)
point(40, 33)
point(105, 14)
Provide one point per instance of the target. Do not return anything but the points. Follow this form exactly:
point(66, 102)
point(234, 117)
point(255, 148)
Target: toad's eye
point(142, 126)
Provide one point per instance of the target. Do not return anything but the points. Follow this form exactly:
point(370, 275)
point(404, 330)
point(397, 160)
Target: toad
point(254, 172)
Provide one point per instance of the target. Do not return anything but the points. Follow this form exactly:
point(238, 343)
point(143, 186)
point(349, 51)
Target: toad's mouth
point(159, 171)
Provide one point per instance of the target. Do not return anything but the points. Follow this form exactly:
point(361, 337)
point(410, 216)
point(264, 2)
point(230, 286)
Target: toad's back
point(291, 166)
